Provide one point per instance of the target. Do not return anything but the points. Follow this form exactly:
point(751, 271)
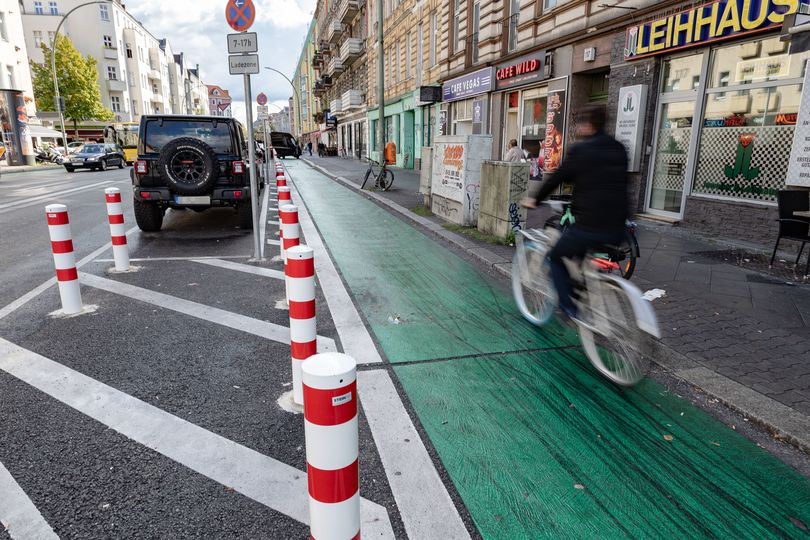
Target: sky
point(198, 28)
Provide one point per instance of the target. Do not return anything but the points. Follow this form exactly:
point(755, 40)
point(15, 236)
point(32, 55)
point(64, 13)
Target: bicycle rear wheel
point(387, 180)
point(614, 344)
point(532, 288)
point(370, 173)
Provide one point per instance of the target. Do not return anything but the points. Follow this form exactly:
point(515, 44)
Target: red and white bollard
point(300, 279)
point(330, 429)
point(289, 230)
point(63, 258)
point(118, 233)
point(281, 181)
point(284, 196)
point(279, 172)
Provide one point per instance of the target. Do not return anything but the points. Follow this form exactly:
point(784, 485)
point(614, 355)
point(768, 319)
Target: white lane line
point(262, 478)
point(7, 207)
point(263, 329)
point(247, 268)
point(354, 337)
point(149, 259)
point(424, 504)
point(273, 242)
point(30, 295)
point(18, 515)
point(272, 222)
point(263, 221)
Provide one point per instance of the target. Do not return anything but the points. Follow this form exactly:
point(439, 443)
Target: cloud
point(198, 29)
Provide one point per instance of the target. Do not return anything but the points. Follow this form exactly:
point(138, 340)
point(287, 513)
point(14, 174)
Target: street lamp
point(300, 127)
point(53, 65)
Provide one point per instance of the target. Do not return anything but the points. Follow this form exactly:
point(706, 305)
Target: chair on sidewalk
point(792, 227)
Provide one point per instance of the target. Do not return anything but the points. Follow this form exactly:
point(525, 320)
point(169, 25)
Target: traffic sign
point(262, 109)
point(261, 99)
point(243, 64)
point(243, 42)
point(240, 14)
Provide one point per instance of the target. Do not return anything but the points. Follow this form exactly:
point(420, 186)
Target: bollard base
point(286, 402)
point(60, 313)
point(131, 270)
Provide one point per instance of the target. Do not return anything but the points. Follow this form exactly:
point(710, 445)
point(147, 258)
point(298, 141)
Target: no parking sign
point(240, 14)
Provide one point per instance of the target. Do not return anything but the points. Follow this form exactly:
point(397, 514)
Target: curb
point(31, 168)
point(785, 422)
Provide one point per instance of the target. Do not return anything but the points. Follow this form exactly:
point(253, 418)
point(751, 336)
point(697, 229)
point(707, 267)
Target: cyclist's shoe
point(579, 318)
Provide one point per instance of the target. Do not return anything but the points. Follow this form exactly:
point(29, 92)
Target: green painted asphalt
point(537, 444)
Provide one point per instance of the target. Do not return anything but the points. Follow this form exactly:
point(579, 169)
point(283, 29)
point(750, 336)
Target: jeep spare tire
point(188, 166)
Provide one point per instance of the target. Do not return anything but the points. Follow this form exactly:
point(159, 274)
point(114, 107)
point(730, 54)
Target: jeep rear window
point(157, 136)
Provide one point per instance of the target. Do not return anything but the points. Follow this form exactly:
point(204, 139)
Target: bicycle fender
point(642, 309)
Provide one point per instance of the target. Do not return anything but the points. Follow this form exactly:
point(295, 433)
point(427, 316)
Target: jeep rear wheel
point(188, 166)
point(245, 215)
point(148, 216)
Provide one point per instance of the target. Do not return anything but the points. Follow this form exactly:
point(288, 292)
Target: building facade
point(307, 108)
point(280, 121)
point(14, 72)
point(219, 101)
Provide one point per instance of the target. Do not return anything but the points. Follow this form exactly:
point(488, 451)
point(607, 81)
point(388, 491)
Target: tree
point(78, 83)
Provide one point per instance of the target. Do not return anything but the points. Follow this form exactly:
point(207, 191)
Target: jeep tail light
point(140, 167)
point(237, 194)
point(238, 167)
point(146, 195)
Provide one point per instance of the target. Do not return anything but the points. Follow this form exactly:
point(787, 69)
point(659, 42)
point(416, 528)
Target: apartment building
point(280, 121)
point(14, 72)
point(219, 101)
point(308, 108)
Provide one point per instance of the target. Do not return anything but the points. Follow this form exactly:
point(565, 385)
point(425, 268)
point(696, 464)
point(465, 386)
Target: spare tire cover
point(188, 166)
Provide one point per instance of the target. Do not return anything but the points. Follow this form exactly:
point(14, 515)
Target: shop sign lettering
point(521, 71)
point(517, 69)
point(472, 84)
point(719, 20)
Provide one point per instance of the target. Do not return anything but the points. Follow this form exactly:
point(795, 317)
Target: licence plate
point(192, 200)
point(77, 162)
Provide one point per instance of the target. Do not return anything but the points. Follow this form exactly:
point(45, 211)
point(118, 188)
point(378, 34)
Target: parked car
point(284, 144)
point(96, 156)
point(73, 147)
point(195, 162)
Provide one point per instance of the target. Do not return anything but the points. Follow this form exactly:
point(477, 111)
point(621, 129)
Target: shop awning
point(41, 131)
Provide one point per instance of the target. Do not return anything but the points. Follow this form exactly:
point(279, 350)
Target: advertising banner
point(554, 142)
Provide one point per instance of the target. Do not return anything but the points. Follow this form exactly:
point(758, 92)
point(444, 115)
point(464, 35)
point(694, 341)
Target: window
point(115, 103)
point(53, 8)
point(112, 73)
point(159, 133)
point(475, 29)
point(12, 82)
point(457, 24)
point(399, 60)
point(37, 38)
point(461, 118)
point(3, 29)
point(38, 8)
point(108, 42)
point(514, 19)
point(434, 28)
point(682, 73)
point(129, 51)
point(408, 65)
point(140, 54)
point(104, 12)
point(134, 106)
point(549, 4)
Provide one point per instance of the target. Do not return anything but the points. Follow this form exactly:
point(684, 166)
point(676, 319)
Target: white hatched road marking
point(8, 207)
point(262, 478)
point(149, 259)
point(247, 268)
point(264, 329)
point(424, 504)
point(18, 515)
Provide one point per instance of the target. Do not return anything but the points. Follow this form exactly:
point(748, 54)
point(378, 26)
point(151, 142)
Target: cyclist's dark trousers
point(573, 244)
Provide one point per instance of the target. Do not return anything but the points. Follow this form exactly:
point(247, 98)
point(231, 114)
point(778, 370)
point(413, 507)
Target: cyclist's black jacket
point(597, 168)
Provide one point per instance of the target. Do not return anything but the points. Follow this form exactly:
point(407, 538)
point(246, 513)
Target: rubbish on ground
point(653, 294)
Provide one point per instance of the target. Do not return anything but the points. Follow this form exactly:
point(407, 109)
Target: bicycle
point(383, 176)
point(613, 314)
point(621, 258)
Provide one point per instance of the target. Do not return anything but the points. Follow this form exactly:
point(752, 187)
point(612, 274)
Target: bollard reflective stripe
point(118, 233)
point(300, 282)
point(290, 229)
point(64, 259)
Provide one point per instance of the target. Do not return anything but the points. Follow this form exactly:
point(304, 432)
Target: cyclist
point(596, 167)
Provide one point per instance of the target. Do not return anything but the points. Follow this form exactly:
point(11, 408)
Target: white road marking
point(150, 259)
point(18, 515)
point(30, 295)
point(8, 207)
point(273, 242)
point(247, 268)
point(262, 478)
point(264, 329)
point(424, 504)
point(272, 222)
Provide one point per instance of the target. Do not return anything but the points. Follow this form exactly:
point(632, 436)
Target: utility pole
point(380, 81)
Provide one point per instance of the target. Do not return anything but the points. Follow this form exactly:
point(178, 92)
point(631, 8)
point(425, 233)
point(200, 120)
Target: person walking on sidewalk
point(597, 168)
point(514, 153)
point(309, 148)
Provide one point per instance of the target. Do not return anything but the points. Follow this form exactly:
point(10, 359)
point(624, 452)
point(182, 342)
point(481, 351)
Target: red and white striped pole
point(63, 258)
point(118, 233)
point(290, 232)
point(300, 279)
point(284, 199)
point(330, 429)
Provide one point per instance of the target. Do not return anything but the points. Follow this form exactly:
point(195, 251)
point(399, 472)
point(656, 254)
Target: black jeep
point(194, 162)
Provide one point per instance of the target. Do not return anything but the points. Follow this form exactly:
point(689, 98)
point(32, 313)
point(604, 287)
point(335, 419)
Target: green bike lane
point(536, 443)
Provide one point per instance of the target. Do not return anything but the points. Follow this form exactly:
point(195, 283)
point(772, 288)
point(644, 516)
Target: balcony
point(153, 74)
point(334, 31)
point(110, 53)
point(114, 85)
point(319, 89)
point(336, 106)
point(347, 10)
point(334, 67)
point(352, 99)
point(350, 50)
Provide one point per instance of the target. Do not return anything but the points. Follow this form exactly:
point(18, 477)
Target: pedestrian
point(321, 149)
point(514, 153)
point(309, 148)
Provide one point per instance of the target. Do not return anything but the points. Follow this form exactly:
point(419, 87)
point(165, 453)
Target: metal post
point(380, 81)
point(267, 153)
point(254, 185)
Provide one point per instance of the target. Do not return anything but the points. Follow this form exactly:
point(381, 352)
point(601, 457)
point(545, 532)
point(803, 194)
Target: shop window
point(755, 62)
point(682, 73)
point(533, 126)
point(461, 117)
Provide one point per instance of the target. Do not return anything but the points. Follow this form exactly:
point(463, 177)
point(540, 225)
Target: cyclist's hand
point(528, 202)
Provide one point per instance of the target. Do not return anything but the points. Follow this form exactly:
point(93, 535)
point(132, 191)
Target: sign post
point(261, 99)
point(240, 15)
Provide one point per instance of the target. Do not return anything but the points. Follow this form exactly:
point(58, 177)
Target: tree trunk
point(76, 129)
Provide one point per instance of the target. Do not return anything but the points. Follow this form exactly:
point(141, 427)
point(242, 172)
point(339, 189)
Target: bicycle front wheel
point(386, 180)
point(614, 343)
point(370, 173)
point(534, 293)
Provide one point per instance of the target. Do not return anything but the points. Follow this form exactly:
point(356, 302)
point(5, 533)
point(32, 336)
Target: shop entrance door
point(408, 142)
point(673, 157)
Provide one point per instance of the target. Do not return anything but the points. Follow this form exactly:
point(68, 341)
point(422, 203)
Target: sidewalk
point(13, 169)
point(731, 326)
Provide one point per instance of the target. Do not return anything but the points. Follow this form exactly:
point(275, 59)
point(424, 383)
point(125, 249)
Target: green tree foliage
point(78, 83)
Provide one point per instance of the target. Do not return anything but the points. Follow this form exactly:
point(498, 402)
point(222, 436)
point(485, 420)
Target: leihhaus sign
point(521, 71)
point(719, 20)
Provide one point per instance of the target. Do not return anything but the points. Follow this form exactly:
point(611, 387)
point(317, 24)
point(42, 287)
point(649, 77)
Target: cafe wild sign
point(716, 21)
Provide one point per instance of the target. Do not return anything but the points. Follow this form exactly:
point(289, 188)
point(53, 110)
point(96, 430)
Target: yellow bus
point(125, 135)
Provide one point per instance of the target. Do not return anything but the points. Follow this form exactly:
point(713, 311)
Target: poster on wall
point(555, 129)
point(479, 114)
point(449, 168)
point(629, 122)
point(442, 127)
point(798, 173)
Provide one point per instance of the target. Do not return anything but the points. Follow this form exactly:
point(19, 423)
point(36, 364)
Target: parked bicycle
point(614, 316)
point(383, 176)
